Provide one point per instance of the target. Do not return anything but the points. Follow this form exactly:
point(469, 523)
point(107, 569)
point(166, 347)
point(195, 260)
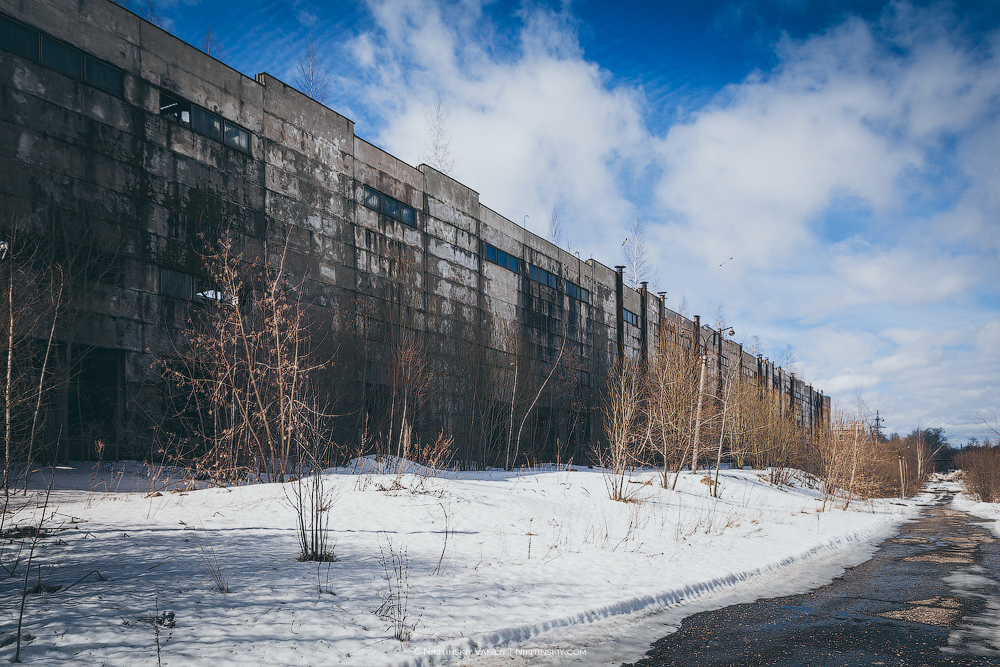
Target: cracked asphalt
point(930, 596)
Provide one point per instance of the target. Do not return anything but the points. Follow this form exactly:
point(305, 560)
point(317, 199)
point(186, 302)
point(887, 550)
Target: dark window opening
point(175, 109)
point(62, 58)
point(630, 317)
point(94, 399)
point(176, 284)
point(18, 38)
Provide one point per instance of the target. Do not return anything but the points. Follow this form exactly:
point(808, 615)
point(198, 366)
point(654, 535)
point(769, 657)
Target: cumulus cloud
point(532, 127)
point(856, 187)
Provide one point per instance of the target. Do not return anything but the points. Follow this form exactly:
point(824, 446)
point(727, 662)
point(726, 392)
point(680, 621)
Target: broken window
point(204, 122)
point(175, 109)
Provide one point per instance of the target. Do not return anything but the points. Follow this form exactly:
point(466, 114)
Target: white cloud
point(530, 129)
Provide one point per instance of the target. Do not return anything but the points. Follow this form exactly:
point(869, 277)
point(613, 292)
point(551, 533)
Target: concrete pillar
point(619, 315)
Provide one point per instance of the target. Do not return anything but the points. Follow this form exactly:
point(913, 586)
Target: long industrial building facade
point(128, 141)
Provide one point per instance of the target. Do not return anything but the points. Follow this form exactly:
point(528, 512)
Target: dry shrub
point(981, 473)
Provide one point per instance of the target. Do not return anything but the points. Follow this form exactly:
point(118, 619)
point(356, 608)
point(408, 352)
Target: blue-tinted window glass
point(491, 254)
point(20, 39)
point(105, 77)
point(409, 216)
point(390, 207)
point(62, 58)
point(373, 199)
point(207, 123)
point(237, 137)
point(513, 264)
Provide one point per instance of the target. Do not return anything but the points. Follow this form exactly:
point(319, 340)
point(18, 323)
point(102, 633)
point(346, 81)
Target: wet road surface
point(930, 596)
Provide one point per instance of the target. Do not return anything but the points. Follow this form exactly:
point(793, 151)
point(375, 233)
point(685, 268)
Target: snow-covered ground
point(495, 561)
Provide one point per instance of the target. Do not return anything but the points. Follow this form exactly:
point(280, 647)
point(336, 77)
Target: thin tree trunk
point(697, 417)
point(41, 382)
point(10, 361)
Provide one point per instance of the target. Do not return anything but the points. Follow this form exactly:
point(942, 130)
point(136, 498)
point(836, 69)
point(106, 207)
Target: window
point(176, 284)
point(61, 57)
point(206, 123)
point(237, 137)
point(393, 208)
point(103, 76)
point(542, 276)
point(20, 39)
point(175, 109)
point(577, 292)
point(630, 317)
point(181, 111)
point(498, 256)
point(373, 199)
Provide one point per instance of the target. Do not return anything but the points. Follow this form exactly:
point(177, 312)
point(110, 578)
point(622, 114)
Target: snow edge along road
point(452, 650)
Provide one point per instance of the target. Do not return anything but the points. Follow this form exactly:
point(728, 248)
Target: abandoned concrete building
point(109, 123)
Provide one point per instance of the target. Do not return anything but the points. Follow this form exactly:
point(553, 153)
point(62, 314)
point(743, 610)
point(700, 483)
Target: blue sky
point(843, 154)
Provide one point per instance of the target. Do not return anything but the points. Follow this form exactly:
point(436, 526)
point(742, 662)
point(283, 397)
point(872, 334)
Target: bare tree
point(312, 75)
point(246, 372)
point(636, 250)
point(623, 413)
point(210, 43)
point(438, 150)
point(147, 9)
point(555, 226)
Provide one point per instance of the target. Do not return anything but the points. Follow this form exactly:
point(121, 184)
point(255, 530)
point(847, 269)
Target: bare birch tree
point(438, 153)
point(312, 75)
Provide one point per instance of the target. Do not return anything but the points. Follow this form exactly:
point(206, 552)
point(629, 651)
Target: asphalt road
point(930, 596)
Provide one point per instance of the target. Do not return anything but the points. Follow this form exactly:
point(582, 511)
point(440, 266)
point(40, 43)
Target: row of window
point(505, 260)
point(542, 276)
point(63, 58)
point(393, 208)
point(630, 317)
point(203, 121)
point(579, 293)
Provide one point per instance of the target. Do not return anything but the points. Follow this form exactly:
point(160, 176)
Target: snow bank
point(490, 559)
